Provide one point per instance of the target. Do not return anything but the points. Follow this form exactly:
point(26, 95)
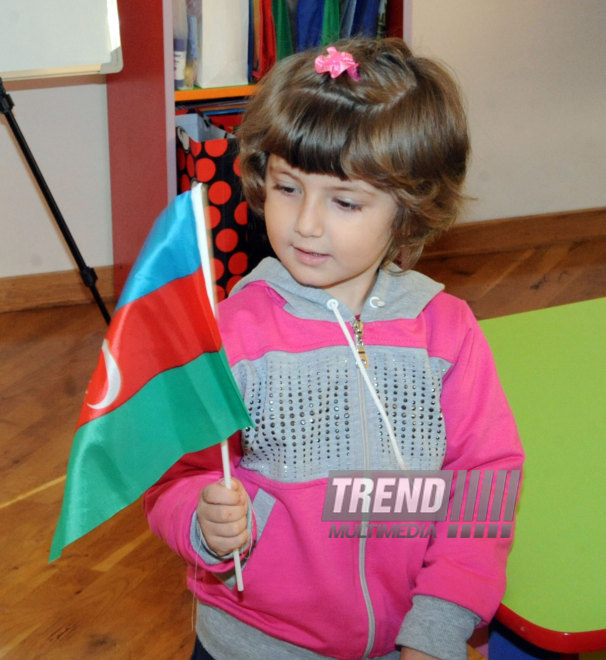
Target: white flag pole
point(200, 204)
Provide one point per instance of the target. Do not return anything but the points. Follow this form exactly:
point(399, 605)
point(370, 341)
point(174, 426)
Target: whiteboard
point(44, 38)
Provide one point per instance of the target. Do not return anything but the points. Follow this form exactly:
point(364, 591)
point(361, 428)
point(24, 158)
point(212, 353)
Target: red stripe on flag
point(161, 330)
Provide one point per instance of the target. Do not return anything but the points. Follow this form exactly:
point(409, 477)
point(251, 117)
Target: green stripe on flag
point(115, 458)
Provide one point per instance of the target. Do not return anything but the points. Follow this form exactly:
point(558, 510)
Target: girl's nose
point(309, 219)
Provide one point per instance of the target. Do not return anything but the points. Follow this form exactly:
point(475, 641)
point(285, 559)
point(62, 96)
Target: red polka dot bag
point(237, 236)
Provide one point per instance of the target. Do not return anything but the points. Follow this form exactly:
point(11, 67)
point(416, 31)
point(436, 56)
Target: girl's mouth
point(309, 257)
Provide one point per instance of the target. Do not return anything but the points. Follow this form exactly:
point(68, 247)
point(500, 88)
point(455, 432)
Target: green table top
point(552, 364)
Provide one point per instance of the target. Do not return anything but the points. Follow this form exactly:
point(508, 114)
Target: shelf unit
point(141, 123)
point(141, 127)
point(187, 95)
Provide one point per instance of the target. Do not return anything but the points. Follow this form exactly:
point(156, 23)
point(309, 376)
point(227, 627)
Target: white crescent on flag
point(114, 379)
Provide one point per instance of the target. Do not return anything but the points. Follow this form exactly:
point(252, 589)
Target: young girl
point(354, 156)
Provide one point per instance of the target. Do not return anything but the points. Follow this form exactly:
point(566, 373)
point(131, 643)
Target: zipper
point(359, 352)
point(358, 328)
point(370, 642)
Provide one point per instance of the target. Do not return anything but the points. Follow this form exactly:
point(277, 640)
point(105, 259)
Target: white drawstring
point(333, 305)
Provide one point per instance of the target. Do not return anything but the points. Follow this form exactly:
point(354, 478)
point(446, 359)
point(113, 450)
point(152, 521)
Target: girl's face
point(328, 233)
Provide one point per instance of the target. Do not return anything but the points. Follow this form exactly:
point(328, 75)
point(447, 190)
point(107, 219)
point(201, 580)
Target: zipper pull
point(358, 328)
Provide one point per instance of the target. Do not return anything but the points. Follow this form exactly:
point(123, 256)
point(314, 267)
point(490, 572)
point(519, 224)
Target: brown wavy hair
point(401, 128)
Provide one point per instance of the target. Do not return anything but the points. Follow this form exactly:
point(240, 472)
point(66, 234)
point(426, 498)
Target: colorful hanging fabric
point(366, 18)
point(282, 24)
point(382, 19)
point(330, 22)
point(317, 22)
point(310, 14)
point(348, 12)
point(264, 39)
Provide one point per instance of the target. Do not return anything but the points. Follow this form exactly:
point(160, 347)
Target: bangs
point(312, 133)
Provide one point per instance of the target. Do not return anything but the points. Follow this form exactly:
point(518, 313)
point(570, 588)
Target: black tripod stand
point(89, 277)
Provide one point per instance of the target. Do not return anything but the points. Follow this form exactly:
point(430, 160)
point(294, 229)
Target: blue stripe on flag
point(170, 251)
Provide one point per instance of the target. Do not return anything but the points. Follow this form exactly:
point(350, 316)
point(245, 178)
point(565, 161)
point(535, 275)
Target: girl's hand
point(222, 516)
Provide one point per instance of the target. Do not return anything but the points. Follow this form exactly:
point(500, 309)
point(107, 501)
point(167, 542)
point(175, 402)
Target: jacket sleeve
point(481, 436)
point(437, 627)
point(170, 504)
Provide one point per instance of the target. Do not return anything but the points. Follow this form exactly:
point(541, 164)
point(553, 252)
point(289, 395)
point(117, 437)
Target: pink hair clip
point(336, 63)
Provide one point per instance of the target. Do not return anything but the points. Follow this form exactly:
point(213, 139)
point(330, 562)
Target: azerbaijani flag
point(162, 386)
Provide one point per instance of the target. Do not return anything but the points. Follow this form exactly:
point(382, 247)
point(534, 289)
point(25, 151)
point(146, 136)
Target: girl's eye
point(348, 205)
point(285, 188)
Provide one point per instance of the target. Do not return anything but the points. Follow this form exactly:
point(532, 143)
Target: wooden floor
point(119, 593)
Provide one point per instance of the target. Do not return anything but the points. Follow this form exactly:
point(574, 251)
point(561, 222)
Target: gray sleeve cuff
point(201, 547)
point(438, 627)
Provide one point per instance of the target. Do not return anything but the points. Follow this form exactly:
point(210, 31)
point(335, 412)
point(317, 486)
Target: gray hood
point(396, 294)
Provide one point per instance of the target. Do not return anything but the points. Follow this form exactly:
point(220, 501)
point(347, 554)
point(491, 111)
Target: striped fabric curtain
point(282, 27)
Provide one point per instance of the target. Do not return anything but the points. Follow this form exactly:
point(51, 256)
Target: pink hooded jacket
point(433, 371)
